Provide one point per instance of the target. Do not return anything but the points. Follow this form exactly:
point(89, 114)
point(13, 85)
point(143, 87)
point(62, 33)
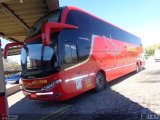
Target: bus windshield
point(36, 28)
point(38, 60)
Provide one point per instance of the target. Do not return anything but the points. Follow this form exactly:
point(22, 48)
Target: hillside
point(10, 65)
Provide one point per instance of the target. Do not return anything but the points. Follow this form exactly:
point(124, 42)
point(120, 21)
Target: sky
point(140, 17)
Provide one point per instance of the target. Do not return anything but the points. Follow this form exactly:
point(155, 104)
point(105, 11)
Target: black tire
point(100, 82)
point(140, 67)
point(137, 68)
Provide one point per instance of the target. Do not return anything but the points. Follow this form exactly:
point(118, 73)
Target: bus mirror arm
point(55, 27)
point(9, 45)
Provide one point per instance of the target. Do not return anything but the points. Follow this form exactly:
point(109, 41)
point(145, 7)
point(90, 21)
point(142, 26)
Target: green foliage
point(150, 49)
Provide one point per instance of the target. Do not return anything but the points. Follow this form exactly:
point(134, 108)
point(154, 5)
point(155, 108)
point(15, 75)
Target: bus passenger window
point(68, 54)
point(70, 57)
point(74, 54)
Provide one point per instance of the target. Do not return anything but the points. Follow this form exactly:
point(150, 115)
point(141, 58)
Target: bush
point(150, 49)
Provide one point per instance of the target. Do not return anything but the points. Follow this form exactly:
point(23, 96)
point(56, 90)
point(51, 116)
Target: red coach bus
point(70, 51)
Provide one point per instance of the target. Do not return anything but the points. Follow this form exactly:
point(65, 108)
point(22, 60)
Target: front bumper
point(51, 91)
point(44, 96)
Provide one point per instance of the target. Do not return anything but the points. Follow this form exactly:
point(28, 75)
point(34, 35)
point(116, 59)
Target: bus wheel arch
point(100, 81)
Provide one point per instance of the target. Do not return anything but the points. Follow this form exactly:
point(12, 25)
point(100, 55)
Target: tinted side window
point(70, 56)
point(90, 24)
point(74, 54)
point(80, 19)
point(84, 49)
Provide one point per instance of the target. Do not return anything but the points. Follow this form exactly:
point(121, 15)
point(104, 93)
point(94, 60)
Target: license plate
point(33, 95)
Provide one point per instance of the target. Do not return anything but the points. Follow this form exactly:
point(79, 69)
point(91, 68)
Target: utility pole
point(3, 96)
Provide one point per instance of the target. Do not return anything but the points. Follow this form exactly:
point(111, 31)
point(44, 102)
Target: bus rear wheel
point(138, 68)
point(100, 82)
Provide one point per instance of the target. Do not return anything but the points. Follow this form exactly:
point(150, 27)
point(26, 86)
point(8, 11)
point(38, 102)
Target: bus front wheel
point(100, 82)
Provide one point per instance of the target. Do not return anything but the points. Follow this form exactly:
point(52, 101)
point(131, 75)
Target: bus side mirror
point(9, 45)
point(53, 27)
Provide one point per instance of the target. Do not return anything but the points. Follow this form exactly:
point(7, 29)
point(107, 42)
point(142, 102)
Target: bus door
point(73, 71)
point(85, 56)
point(113, 60)
point(124, 61)
point(119, 66)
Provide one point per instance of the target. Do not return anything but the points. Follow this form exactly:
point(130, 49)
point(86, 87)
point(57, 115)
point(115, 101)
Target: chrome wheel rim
point(100, 81)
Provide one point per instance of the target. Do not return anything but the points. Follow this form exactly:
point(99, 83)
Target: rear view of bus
point(70, 51)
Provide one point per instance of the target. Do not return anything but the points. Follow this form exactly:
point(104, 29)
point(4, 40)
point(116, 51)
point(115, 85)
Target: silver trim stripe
point(80, 77)
point(91, 74)
point(47, 93)
point(119, 67)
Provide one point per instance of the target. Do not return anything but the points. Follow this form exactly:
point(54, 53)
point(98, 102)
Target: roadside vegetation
point(10, 65)
point(150, 49)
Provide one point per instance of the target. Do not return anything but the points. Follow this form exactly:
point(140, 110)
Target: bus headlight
point(51, 85)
